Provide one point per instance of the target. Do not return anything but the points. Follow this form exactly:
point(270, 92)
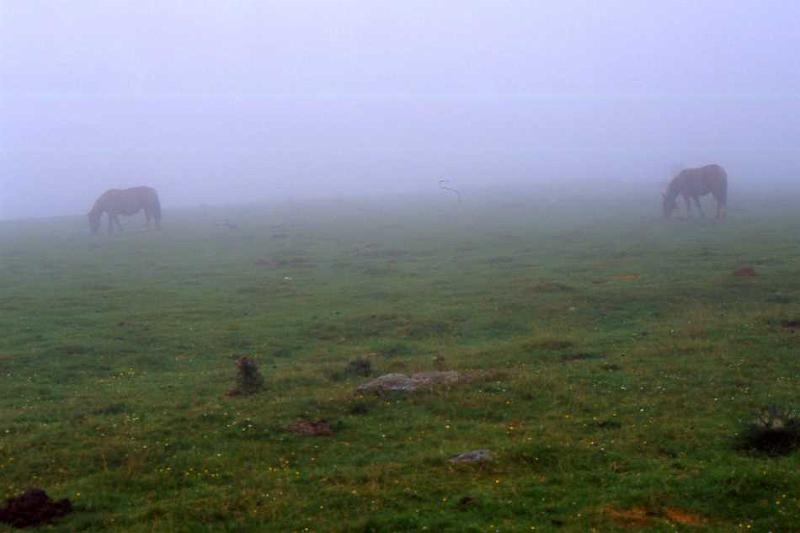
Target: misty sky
point(219, 102)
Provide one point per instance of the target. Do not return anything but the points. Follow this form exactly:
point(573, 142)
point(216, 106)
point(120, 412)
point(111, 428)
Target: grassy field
point(613, 358)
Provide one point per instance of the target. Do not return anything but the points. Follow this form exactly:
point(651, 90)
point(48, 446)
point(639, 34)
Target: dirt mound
point(745, 272)
point(638, 517)
point(33, 508)
point(776, 432)
point(314, 428)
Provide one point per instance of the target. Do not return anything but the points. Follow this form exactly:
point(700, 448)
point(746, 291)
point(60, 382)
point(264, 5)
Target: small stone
point(389, 382)
point(475, 456)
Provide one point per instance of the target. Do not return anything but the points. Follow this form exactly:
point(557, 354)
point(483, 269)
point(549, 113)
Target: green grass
point(602, 394)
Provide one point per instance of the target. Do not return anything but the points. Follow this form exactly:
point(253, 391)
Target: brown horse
point(117, 202)
point(692, 183)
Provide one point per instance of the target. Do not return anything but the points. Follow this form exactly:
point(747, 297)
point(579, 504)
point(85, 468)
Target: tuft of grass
point(248, 377)
point(360, 366)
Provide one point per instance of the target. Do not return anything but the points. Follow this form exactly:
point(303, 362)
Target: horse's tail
point(155, 207)
point(723, 187)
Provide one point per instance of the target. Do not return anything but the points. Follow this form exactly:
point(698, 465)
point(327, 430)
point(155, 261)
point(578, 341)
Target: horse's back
point(129, 201)
point(703, 180)
point(141, 191)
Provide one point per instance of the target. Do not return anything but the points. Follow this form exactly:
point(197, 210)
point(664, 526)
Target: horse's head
point(94, 220)
point(668, 204)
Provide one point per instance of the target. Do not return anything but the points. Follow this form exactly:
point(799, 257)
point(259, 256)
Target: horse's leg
point(147, 218)
point(699, 207)
point(110, 224)
point(688, 206)
point(116, 221)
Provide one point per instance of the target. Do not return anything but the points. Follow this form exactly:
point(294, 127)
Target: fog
point(228, 102)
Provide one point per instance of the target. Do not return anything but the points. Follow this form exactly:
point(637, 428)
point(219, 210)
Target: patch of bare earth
point(792, 325)
point(33, 508)
point(680, 516)
point(633, 517)
point(639, 517)
point(313, 428)
point(745, 272)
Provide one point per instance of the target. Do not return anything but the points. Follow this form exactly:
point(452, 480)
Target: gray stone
point(475, 456)
point(389, 382)
point(436, 378)
point(404, 383)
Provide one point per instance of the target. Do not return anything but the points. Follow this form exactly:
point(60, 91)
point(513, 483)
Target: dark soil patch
point(774, 442)
point(608, 424)
point(467, 502)
point(33, 508)
point(775, 432)
point(314, 428)
point(790, 324)
point(581, 356)
point(360, 408)
point(745, 272)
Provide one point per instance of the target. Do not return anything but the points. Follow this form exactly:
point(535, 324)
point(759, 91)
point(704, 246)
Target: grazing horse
point(117, 202)
point(692, 183)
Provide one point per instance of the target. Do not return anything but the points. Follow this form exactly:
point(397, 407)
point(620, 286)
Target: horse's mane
point(97, 207)
point(673, 187)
